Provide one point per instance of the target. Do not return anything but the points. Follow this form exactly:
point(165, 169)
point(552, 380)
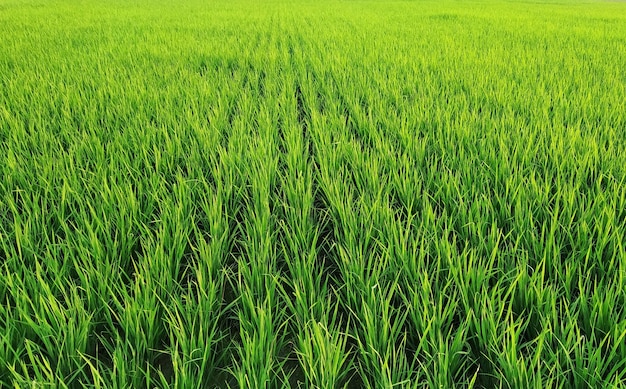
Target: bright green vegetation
point(317, 195)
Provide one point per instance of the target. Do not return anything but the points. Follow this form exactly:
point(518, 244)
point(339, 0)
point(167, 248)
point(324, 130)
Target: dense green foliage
point(312, 194)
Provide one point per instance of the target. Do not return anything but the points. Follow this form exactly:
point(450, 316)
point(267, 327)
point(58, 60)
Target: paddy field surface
point(312, 194)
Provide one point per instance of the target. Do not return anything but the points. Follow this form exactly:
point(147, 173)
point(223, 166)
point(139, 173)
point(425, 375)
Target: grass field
point(376, 194)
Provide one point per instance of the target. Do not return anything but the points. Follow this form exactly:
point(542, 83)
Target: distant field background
point(312, 194)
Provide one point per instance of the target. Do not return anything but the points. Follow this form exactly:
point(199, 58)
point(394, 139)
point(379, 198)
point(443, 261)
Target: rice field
point(329, 194)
